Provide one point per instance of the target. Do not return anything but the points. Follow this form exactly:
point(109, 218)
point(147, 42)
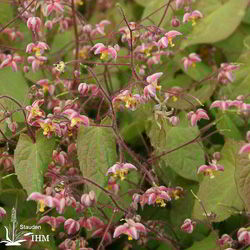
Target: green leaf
point(242, 178)
point(209, 243)
point(10, 82)
point(96, 151)
point(220, 194)
point(207, 29)
point(6, 12)
point(185, 160)
point(31, 160)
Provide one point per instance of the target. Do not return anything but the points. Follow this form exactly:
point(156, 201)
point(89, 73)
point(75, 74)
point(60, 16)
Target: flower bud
point(34, 24)
point(216, 156)
point(89, 199)
point(174, 120)
point(83, 88)
point(26, 69)
point(71, 226)
point(175, 22)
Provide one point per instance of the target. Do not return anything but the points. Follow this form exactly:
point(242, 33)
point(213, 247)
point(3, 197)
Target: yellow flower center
point(37, 51)
point(193, 20)
point(47, 128)
point(35, 111)
point(193, 64)
point(161, 202)
point(74, 121)
point(130, 238)
point(157, 87)
point(129, 101)
point(210, 173)
point(174, 98)
point(104, 55)
point(41, 205)
point(53, 229)
point(147, 51)
point(121, 174)
point(170, 40)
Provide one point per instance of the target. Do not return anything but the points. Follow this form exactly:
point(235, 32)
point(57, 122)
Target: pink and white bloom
point(54, 5)
point(193, 16)
point(120, 169)
point(75, 118)
point(126, 33)
point(150, 90)
point(243, 236)
point(225, 240)
point(191, 60)
point(49, 127)
point(60, 158)
point(168, 39)
point(245, 149)
point(2, 212)
point(54, 222)
point(196, 116)
point(43, 200)
point(7, 161)
point(38, 48)
point(155, 195)
point(223, 105)
point(188, 226)
point(13, 34)
point(225, 72)
point(83, 89)
point(36, 61)
point(131, 229)
point(47, 87)
point(34, 111)
point(106, 52)
point(34, 24)
point(9, 60)
point(242, 108)
point(88, 200)
point(100, 28)
point(71, 226)
point(209, 170)
point(112, 185)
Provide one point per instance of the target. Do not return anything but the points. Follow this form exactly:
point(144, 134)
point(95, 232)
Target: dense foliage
point(125, 124)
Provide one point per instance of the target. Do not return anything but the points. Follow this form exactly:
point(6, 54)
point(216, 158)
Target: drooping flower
point(7, 161)
point(43, 200)
point(38, 48)
point(54, 222)
point(106, 52)
point(150, 90)
point(155, 195)
point(126, 37)
point(75, 118)
point(225, 72)
point(193, 16)
point(190, 61)
point(245, 149)
point(196, 116)
point(34, 111)
point(120, 169)
point(243, 236)
point(88, 200)
point(209, 170)
point(131, 229)
point(168, 38)
point(71, 226)
point(100, 28)
point(54, 5)
point(2, 212)
point(188, 226)
point(49, 127)
point(222, 104)
point(36, 61)
point(225, 240)
point(11, 61)
point(47, 87)
point(83, 88)
point(34, 24)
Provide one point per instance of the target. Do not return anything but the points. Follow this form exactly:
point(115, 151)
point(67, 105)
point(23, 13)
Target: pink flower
point(155, 195)
point(126, 33)
point(54, 6)
point(2, 212)
point(245, 149)
point(75, 118)
point(34, 111)
point(242, 108)
point(43, 200)
point(112, 185)
point(34, 24)
point(131, 229)
point(120, 169)
point(71, 226)
point(36, 61)
point(83, 89)
point(54, 222)
point(243, 236)
point(191, 60)
point(210, 169)
point(223, 105)
point(106, 52)
point(60, 158)
point(150, 90)
point(194, 117)
point(225, 72)
point(188, 226)
point(192, 17)
point(44, 83)
point(7, 161)
point(38, 48)
point(170, 35)
point(225, 240)
point(49, 127)
point(13, 34)
point(12, 61)
point(100, 26)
